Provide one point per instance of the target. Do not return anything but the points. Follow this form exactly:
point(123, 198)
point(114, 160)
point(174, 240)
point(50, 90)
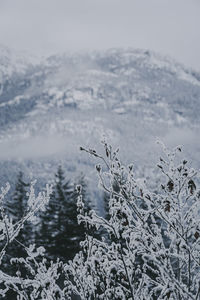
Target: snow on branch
point(148, 247)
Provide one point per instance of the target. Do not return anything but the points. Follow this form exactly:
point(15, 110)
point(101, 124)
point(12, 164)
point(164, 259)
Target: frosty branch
point(148, 246)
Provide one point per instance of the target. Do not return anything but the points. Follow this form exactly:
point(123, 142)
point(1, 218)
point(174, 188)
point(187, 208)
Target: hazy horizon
point(47, 27)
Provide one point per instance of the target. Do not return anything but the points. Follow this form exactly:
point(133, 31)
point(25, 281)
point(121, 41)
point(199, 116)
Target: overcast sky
point(170, 27)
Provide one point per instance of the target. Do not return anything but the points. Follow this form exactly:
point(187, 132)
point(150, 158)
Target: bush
point(150, 248)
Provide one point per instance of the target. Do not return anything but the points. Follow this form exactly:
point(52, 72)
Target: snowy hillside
point(49, 107)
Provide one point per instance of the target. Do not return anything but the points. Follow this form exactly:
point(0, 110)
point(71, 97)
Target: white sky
point(169, 27)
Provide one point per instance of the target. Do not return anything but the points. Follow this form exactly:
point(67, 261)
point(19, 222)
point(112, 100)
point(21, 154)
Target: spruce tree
point(16, 209)
point(60, 232)
point(17, 205)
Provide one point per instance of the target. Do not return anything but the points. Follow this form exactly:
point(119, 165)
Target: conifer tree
point(16, 209)
point(60, 232)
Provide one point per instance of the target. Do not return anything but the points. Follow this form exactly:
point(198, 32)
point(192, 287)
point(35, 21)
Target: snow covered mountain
point(49, 107)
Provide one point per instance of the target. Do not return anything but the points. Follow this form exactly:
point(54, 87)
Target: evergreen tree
point(16, 209)
point(17, 205)
point(60, 232)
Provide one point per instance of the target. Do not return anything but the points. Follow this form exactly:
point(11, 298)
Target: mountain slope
point(49, 108)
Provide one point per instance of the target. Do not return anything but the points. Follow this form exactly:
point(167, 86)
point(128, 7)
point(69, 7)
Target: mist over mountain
point(50, 107)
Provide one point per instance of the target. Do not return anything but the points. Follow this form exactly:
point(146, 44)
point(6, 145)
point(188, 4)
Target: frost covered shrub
point(149, 249)
point(40, 278)
point(152, 246)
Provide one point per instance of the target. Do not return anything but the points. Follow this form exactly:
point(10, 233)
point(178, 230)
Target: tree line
point(145, 248)
point(56, 227)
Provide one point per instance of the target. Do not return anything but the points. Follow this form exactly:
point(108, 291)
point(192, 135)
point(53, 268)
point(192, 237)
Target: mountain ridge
point(56, 104)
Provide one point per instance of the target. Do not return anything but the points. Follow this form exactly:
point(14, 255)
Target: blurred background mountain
point(49, 107)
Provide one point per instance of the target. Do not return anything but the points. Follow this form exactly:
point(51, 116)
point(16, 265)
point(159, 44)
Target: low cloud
point(50, 26)
point(37, 147)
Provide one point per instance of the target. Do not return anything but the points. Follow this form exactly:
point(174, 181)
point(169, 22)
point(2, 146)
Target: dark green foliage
point(16, 209)
point(59, 231)
point(17, 205)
